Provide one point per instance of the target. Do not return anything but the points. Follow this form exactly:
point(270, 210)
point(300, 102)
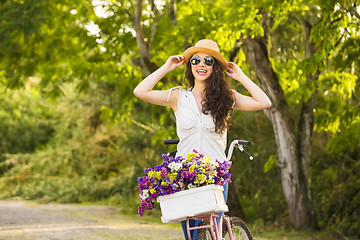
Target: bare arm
point(258, 100)
point(145, 90)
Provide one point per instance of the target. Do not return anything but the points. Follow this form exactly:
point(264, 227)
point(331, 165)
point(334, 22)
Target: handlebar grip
point(244, 142)
point(171, 141)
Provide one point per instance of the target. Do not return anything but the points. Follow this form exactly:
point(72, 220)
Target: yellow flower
point(192, 168)
point(163, 183)
point(152, 191)
point(173, 176)
point(158, 175)
point(190, 156)
point(200, 178)
point(206, 159)
point(209, 181)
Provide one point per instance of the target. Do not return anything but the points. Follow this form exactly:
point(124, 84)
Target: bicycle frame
point(211, 218)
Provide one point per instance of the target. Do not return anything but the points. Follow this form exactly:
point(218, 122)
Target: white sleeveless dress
point(196, 130)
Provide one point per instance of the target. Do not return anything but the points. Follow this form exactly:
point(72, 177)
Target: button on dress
point(196, 130)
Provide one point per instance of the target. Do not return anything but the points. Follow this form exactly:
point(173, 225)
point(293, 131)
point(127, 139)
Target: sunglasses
point(209, 61)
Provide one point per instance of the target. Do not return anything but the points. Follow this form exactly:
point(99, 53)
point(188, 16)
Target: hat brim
point(192, 50)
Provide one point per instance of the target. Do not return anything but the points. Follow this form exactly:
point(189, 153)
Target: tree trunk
point(305, 129)
point(147, 66)
point(294, 174)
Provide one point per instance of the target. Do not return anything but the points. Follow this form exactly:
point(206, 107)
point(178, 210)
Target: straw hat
point(206, 46)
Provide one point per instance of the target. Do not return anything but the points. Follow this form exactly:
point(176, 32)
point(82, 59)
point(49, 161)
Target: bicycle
point(233, 228)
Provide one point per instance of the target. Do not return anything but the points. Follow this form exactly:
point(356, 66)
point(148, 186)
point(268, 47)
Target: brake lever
point(241, 148)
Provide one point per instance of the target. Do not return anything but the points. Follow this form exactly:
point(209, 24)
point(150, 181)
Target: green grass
point(285, 234)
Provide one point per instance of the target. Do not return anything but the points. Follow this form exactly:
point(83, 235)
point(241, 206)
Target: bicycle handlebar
point(176, 141)
point(171, 141)
point(238, 143)
point(243, 142)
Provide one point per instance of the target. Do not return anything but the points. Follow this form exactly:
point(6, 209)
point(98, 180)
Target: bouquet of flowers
point(176, 174)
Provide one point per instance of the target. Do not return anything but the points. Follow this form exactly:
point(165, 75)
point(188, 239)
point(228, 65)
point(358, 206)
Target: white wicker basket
point(178, 206)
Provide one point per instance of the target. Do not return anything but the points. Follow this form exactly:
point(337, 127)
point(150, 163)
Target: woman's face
point(201, 71)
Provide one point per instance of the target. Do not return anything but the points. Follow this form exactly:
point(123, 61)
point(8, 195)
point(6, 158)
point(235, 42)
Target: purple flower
point(141, 210)
point(170, 182)
point(146, 170)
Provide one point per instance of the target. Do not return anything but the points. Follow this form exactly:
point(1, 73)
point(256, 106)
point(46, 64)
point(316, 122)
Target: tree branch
point(146, 65)
point(353, 12)
point(153, 7)
point(310, 47)
point(341, 38)
point(138, 13)
point(172, 15)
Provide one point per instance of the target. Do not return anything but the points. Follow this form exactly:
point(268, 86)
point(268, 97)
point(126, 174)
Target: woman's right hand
point(145, 90)
point(174, 62)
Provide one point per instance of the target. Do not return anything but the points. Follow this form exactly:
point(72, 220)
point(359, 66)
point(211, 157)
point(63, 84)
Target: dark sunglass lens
point(195, 60)
point(209, 61)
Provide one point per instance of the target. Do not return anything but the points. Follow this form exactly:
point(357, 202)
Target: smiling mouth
point(201, 71)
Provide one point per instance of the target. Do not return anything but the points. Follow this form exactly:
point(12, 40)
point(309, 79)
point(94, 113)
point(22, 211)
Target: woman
point(203, 111)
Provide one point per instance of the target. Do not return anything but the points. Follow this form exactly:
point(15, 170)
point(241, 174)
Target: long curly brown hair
point(218, 98)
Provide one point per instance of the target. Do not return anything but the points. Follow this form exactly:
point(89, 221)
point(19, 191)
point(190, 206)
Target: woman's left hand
point(234, 71)
point(258, 100)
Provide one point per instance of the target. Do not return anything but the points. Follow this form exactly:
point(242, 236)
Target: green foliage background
point(72, 131)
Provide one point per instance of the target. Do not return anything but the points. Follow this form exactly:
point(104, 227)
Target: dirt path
point(21, 220)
